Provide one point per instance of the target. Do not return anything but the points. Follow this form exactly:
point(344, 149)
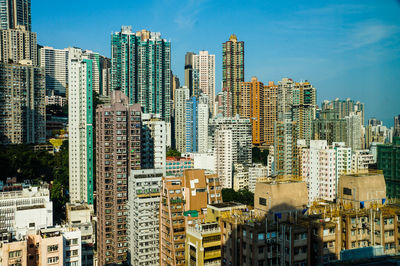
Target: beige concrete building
point(280, 196)
point(14, 253)
point(362, 190)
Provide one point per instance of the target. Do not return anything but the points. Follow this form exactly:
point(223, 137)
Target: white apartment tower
point(224, 156)
point(202, 123)
point(181, 96)
point(204, 77)
point(354, 138)
point(343, 160)
point(80, 117)
point(144, 201)
point(55, 63)
point(319, 169)
point(154, 142)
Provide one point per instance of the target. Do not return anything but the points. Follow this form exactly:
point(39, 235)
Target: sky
point(346, 49)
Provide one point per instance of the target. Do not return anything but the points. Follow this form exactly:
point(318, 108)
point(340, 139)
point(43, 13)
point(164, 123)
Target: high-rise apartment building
point(141, 67)
point(233, 71)
point(189, 72)
point(118, 144)
point(285, 148)
point(318, 163)
point(15, 13)
point(204, 77)
point(241, 136)
point(144, 223)
point(18, 44)
point(285, 99)
point(397, 126)
point(175, 84)
point(22, 104)
point(224, 160)
point(154, 142)
point(329, 126)
point(80, 125)
point(389, 161)
point(181, 96)
point(270, 112)
point(345, 107)
point(183, 203)
point(304, 108)
point(191, 124)
point(202, 123)
point(354, 131)
point(252, 107)
point(55, 63)
point(223, 103)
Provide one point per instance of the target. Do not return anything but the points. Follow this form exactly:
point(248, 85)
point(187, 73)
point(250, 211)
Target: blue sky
point(344, 48)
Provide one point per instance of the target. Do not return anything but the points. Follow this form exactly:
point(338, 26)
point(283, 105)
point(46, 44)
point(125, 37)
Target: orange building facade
point(184, 202)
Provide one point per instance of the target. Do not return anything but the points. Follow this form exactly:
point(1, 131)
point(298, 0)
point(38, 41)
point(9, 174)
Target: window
point(52, 260)
point(346, 191)
point(15, 254)
point(260, 236)
point(52, 248)
point(262, 201)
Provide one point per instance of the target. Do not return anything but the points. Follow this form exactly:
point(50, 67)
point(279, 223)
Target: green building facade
point(141, 68)
point(389, 161)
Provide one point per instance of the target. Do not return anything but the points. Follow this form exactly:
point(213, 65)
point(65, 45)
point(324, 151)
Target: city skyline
point(357, 55)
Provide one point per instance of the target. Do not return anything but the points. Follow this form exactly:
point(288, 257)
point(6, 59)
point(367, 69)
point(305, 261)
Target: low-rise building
point(26, 207)
point(176, 165)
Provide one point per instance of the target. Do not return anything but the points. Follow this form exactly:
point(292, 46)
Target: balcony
point(212, 254)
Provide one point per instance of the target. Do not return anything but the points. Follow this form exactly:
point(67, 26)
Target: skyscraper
point(224, 160)
point(354, 137)
point(202, 123)
point(345, 107)
point(304, 108)
point(80, 122)
point(15, 13)
point(141, 67)
point(55, 63)
point(118, 137)
point(252, 107)
point(397, 126)
point(18, 44)
point(329, 127)
point(191, 124)
point(270, 112)
point(144, 201)
point(285, 148)
point(22, 104)
point(181, 96)
point(204, 77)
point(154, 142)
point(233, 70)
point(189, 71)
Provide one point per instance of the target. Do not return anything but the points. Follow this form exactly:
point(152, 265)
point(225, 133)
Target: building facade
point(22, 104)
point(181, 96)
point(138, 61)
point(118, 133)
point(18, 44)
point(233, 71)
point(252, 107)
point(204, 77)
point(144, 201)
point(15, 13)
point(80, 125)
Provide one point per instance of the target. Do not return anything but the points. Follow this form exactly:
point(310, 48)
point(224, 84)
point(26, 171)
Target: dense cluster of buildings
point(329, 184)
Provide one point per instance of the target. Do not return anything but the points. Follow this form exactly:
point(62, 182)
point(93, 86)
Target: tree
point(260, 156)
point(173, 153)
point(243, 196)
